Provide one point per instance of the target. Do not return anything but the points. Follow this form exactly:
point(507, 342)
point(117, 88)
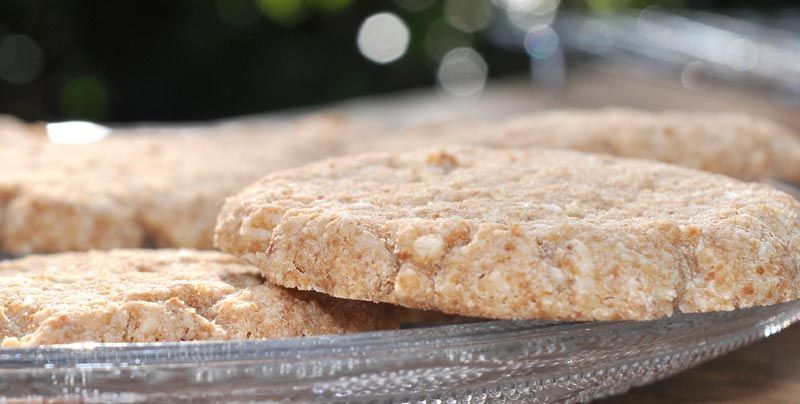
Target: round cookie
point(142, 187)
point(522, 234)
point(162, 295)
point(734, 144)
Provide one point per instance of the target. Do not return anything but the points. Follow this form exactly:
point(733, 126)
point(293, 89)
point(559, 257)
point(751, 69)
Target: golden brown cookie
point(538, 234)
point(162, 295)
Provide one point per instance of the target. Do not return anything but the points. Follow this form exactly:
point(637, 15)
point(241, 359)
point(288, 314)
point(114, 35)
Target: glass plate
point(478, 362)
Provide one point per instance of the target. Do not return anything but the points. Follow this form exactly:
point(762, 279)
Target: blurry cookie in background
point(163, 295)
point(140, 187)
point(163, 187)
point(735, 144)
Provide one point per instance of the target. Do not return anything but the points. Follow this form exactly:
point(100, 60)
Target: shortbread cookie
point(519, 234)
point(162, 295)
point(734, 144)
point(159, 188)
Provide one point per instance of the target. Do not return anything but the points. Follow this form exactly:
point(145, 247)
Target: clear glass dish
point(478, 362)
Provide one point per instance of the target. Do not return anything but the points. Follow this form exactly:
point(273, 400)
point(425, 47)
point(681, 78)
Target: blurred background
point(196, 60)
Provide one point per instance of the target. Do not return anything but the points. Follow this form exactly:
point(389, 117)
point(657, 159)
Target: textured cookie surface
point(160, 187)
point(519, 234)
point(162, 295)
point(734, 144)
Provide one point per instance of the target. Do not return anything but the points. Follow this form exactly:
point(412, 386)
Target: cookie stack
point(509, 227)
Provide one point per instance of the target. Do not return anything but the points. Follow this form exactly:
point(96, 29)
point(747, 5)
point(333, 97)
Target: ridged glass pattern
point(497, 361)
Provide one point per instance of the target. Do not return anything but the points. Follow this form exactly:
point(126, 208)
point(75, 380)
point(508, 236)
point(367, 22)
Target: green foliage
point(84, 98)
point(293, 12)
point(284, 12)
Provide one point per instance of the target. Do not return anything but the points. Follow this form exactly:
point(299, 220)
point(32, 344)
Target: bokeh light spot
point(462, 72)
point(383, 38)
point(525, 14)
point(85, 98)
point(21, 59)
point(696, 76)
point(468, 15)
point(742, 54)
point(76, 132)
point(541, 42)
